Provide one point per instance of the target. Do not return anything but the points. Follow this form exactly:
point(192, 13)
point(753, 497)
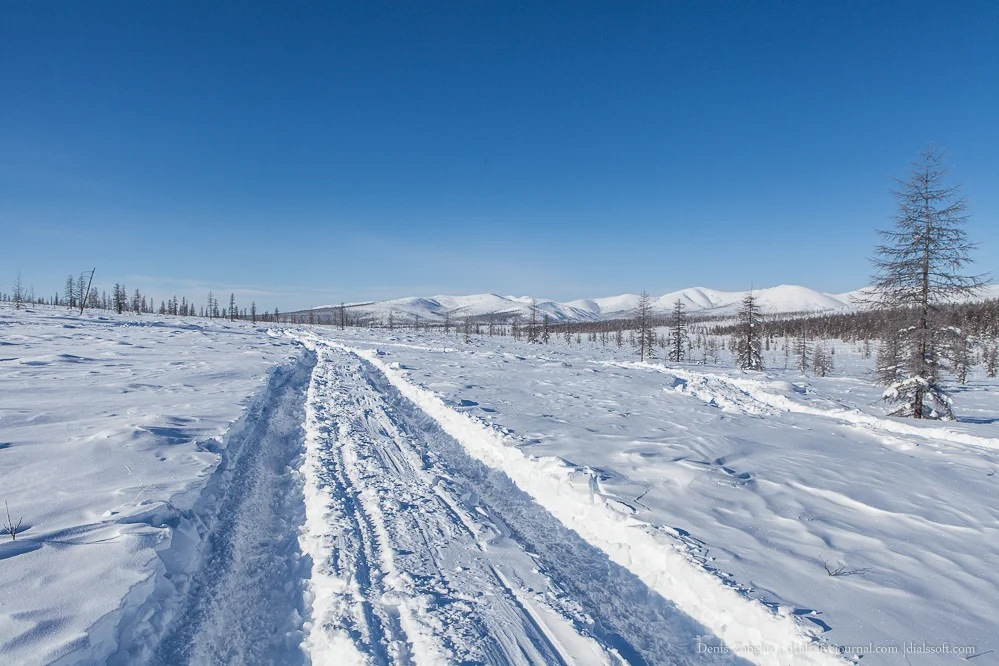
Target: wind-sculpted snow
point(752, 396)
point(119, 440)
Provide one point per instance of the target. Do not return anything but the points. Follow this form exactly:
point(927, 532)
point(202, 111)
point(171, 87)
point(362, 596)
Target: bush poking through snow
point(911, 391)
point(9, 527)
point(834, 569)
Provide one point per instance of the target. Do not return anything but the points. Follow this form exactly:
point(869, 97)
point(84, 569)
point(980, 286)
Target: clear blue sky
point(300, 153)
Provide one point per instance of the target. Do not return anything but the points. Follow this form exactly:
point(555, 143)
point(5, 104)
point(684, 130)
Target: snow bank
point(752, 396)
point(117, 435)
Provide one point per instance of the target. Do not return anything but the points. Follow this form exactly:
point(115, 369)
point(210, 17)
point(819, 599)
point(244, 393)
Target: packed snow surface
point(214, 492)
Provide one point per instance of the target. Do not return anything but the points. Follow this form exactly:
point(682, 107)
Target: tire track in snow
point(403, 542)
point(751, 396)
point(344, 620)
point(774, 637)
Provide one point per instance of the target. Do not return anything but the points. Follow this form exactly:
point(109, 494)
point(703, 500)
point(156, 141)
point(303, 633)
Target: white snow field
point(150, 460)
point(206, 492)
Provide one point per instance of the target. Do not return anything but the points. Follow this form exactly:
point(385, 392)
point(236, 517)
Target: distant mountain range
point(784, 299)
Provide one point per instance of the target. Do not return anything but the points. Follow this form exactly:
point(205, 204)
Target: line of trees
point(75, 295)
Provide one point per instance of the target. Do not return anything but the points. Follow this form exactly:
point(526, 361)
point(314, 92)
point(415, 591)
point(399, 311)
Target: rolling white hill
point(783, 299)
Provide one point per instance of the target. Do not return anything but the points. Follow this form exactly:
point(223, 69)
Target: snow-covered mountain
point(477, 306)
point(786, 298)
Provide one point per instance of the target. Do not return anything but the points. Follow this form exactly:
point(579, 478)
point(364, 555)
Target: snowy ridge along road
point(229, 583)
point(428, 549)
point(753, 397)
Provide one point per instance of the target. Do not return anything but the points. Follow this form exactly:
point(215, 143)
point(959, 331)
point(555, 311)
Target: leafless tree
point(70, 292)
point(962, 356)
point(532, 328)
point(18, 292)
point(991, 360)
point(677, 332)
point(9, 527)
point(749, 335)
point(918, 267)
point(802, 348)
point(646, 333)
point(120, 298)
point(822, 363)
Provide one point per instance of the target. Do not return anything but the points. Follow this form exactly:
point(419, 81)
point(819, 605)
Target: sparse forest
point(920, 318)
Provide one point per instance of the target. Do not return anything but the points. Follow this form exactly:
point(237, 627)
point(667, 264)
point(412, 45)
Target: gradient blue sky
point(300, 153)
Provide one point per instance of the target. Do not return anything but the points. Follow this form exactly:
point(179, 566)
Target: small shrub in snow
point(833, 569)
point(9, 527)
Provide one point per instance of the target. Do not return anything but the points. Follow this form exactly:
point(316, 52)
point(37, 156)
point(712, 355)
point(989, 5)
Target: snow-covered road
point(423, 555)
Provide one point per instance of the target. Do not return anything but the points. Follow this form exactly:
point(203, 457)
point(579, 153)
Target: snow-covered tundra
point(214, 492)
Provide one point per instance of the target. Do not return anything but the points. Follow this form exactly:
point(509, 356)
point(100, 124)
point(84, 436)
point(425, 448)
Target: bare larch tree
point(749, 335)
point(677, 332)
point(532, 330)
point(822, 361)
point(18, 296)
point(918, 267)
point(646, 334)
point(802, 349)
